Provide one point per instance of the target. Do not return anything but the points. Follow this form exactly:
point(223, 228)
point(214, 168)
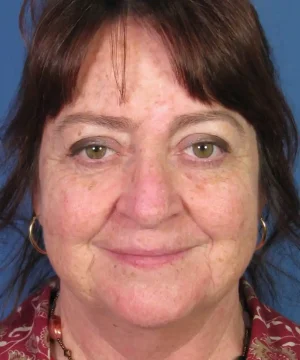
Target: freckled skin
point(148, 197)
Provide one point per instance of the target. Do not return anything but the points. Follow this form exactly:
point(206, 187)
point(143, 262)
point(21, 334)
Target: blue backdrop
point(280, 19)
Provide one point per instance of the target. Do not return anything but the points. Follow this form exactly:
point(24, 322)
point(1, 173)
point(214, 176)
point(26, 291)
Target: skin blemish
point(199, 186)
point(92, 185)
point(152, 198)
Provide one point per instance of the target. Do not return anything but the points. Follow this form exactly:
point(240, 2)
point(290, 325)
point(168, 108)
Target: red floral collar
point(26, 336)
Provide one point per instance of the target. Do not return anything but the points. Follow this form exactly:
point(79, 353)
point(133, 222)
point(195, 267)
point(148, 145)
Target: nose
point(149, 197)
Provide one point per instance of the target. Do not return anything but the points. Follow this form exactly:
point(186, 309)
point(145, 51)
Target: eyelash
point(216, 148)
point(219, 145)
point(77, 149)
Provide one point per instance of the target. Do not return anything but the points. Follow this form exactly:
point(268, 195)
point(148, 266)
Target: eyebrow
point(111, 122)
point(184, 121)
point(125, 124)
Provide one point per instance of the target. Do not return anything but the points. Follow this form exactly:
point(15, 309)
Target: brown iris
point(203, 151)
point(96, 152)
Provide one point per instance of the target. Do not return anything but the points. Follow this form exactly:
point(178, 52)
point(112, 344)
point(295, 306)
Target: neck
point(211, 333)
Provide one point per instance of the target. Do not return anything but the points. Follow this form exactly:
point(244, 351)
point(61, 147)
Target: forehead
point(142, 66)
point(152, 93)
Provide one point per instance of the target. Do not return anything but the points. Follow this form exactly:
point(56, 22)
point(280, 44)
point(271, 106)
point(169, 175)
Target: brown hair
point(219, 54)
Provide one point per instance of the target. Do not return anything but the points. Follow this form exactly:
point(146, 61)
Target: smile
point(147, 259)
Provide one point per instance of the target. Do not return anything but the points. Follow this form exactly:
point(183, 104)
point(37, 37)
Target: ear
point(35, 196)
point(262, 202)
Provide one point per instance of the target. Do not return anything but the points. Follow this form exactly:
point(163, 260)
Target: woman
point(155, 143)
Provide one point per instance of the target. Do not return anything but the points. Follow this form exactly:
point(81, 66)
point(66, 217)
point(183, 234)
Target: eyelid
point(204, 139)
point(92, 141)
point(216, 149)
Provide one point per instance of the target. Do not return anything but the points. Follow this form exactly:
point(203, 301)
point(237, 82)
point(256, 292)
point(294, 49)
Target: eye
point(92, 152)
point(203, 150)
point(95, 151)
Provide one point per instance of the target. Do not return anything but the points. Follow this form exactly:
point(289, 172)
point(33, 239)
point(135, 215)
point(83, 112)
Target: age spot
point(92, 185)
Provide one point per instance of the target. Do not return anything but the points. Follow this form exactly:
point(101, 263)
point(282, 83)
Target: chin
point(150, 317)
point(151, 309)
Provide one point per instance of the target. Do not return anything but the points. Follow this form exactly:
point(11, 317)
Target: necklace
point(55, 332)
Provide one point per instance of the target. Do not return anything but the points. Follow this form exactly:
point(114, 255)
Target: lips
point(147, 258)
point(147, 252)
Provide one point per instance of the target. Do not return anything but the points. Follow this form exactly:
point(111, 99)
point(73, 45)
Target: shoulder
point(272, 336)
point(24, 335)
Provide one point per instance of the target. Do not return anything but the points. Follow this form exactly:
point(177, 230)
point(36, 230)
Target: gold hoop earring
point(31, 237)
point(264, 235)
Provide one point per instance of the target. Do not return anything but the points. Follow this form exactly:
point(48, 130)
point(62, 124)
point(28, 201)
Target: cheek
point(225, 207)
point(75, 209)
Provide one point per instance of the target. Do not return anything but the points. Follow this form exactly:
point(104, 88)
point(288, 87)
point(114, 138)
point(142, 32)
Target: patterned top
point(273, 337)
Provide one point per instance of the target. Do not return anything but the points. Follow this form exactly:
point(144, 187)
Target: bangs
point(209, 46)
point(219, 54)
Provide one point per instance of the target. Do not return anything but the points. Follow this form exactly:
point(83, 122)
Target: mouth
point(147, 258)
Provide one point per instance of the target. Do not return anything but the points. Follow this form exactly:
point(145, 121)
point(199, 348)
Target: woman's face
point(149, 207)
